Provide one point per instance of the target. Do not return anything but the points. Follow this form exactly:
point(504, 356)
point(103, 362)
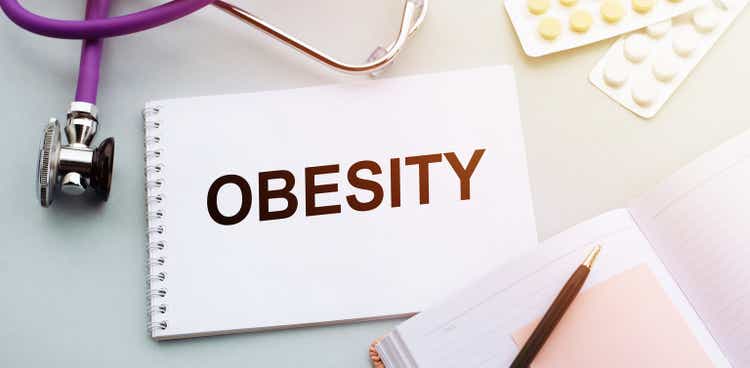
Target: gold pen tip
point(589, 261)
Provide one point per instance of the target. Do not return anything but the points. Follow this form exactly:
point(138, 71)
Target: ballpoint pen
point(555, 312)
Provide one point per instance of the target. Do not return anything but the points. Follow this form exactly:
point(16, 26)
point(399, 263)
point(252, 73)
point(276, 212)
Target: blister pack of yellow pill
point(547, 26)
point(643, 69)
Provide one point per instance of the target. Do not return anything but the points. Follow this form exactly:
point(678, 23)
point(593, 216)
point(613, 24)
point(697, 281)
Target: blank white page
point(390, 261)
point(699, 224)
point(473, 328)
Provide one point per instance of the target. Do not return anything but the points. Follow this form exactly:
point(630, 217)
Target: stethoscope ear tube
point(412, 17)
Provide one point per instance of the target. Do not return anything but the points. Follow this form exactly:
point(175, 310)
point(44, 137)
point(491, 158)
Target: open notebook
point(693, 235)
point(331, 204)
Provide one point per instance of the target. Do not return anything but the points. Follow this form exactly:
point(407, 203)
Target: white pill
point(665, 66)
point(684, 42)
point(637, 47)
point(706, 19)
point(616, 72)
point(644, 91)
point(658, 30)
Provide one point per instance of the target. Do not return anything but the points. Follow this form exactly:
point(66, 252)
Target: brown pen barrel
point(556, 311)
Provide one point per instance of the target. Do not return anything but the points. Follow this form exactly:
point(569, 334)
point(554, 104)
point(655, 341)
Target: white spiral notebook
point(331, 204)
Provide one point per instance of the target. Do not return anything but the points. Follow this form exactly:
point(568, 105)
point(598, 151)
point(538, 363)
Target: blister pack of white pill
point(547, 26)
point(642, 69)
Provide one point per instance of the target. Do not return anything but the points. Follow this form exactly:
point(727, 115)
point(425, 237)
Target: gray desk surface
point(72, 277)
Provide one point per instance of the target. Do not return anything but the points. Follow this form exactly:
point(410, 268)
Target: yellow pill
point(612, 11)
point(643, 6)
point(568, 2)
point(580, 21)
point(549, 28)
point(538, 6)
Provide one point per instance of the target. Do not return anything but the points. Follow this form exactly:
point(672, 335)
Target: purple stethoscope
point(77, 166)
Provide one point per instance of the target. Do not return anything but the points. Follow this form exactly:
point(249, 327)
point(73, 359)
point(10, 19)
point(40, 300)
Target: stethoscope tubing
point(100, 27)
point(91, 55)
point(96, 27)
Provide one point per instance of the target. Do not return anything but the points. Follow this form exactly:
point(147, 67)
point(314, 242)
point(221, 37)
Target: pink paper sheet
point(626, 321)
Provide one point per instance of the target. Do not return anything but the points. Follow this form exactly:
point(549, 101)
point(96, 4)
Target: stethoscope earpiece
point(75, 167)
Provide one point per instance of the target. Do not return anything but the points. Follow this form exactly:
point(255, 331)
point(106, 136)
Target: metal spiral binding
point(154, 199)
point(150, 112)
point(154, 169)
point(161, 276)
point(159, 261)
point(158, 245)
point(157, 293)
point(161, 325)
point(150, 115)
point(156, 230)
point(156, 215)
point(160, 309)
point(157, 276)
point(153, 153)
point(153, 139)
point(154, 184)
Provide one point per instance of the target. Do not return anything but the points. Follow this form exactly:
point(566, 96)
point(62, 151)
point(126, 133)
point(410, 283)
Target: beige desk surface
point(72, 276)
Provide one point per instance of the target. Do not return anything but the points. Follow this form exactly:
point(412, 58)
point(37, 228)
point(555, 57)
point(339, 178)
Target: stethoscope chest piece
point(75, 167)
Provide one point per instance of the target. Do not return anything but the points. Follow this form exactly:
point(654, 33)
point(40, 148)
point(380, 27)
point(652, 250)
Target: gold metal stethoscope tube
point(413, 16)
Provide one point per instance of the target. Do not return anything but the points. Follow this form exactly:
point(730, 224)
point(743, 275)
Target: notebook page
point(699, 223)
point(420, 242)
point(473, 327)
